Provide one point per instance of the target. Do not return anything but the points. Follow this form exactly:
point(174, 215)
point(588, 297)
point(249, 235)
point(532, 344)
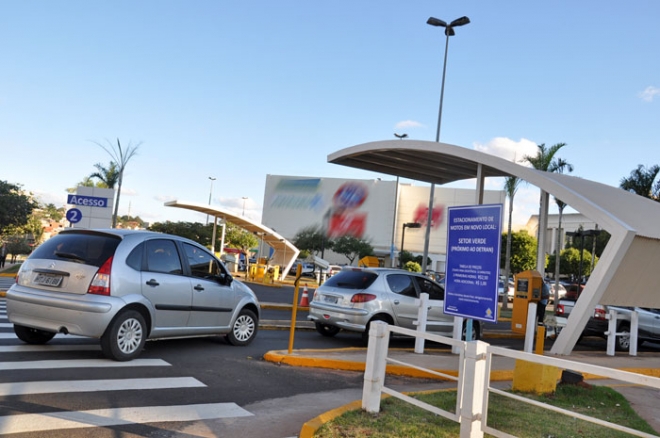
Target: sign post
point(473, 261)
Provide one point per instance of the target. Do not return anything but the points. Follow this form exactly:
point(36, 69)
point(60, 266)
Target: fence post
point(458, 333)
point(611, 332)
point(374, 372)
point(634, 332)
point(422, 317)
point(531, 327)
point(474, 383)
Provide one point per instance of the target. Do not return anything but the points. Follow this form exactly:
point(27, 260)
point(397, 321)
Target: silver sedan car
point(354, 297)
point(125, 287)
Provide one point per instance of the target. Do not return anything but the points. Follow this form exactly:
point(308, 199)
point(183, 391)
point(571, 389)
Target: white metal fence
point(473, 381)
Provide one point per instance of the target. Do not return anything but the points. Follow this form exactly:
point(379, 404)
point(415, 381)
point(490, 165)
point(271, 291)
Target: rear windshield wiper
point(70, 256)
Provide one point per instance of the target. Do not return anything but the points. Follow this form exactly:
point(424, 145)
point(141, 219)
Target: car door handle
point(153, 282)
point(199, 287)
point(396, 301)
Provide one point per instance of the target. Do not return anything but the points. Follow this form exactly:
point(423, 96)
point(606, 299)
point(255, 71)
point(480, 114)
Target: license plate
point(48, 280)
point(329, 299)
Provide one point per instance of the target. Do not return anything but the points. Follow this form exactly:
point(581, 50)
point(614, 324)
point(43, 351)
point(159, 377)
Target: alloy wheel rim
point(129, 336)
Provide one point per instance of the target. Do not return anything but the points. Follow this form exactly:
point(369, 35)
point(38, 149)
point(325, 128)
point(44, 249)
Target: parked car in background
point(507, 291)
point(125, 287)
point(355, 297)
point(307, 269)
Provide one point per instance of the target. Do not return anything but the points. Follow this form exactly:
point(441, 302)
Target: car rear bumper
point(55, 312)
point(347, 319)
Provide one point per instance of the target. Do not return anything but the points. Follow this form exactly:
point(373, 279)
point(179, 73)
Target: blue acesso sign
point(87, 201)
point(473, 261)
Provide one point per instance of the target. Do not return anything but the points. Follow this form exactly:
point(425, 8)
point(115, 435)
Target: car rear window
point(88, 248)
point(352, 279)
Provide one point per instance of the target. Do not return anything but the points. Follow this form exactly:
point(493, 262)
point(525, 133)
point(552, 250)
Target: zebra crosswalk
point(14, 420)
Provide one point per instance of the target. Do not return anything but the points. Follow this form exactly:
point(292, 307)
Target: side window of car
point(202, 264)
point(435, 291)
point(162, 256)
point(402, 284)
point(134, 259)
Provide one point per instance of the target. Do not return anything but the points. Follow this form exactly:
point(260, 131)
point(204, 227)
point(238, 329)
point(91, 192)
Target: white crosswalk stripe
point(114, 417)
point(82, 363)
point(66, 420)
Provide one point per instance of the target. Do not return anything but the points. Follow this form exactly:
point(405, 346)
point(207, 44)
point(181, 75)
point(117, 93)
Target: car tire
point(32, 336)
point(622, 342)
point(327, 330)
point(124, 338)
point(244, 329)
point(476, 330)
point(365, 334)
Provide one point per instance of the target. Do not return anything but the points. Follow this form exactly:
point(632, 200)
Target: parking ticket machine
point(528, 287)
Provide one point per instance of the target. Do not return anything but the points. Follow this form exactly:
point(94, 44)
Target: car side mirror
point(225, 279)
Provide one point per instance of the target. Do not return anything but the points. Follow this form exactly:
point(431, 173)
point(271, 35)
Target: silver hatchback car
point(125, 287)
point(354, 297)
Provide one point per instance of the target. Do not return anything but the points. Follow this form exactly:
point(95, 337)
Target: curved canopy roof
point(627, 272)
point(285, 252)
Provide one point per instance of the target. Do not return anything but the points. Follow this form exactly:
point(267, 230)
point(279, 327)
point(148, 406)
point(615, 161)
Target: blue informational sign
point(73, 215)
point(87, 201)
point(473, 261)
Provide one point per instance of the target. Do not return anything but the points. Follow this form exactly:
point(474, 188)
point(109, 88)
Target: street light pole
point(403, 235)
point(210, 195)
point(449, 31)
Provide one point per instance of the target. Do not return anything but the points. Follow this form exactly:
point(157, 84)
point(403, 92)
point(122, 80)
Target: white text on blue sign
point(89, 201)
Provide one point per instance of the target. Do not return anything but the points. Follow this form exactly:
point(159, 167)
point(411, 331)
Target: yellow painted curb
point(309, 429)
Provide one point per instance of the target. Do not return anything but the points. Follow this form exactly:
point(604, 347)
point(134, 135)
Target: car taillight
point(362, 298)
point(559, 310)
point(101, 282)
point(600, 313)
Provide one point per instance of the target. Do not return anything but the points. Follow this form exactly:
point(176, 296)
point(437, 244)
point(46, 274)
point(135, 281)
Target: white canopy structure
point(628, 271)
point(285, 252)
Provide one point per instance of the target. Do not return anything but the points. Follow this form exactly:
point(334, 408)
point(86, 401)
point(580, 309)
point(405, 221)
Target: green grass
point(400, 419)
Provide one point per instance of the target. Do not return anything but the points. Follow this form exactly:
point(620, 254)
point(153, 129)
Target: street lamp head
point(212, 179)
point(449, 28)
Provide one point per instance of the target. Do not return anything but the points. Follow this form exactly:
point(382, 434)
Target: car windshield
point(83, 247)
point(352, 279)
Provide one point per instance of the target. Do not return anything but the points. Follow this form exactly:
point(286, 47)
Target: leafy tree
point(17, 245)
point(107, 176)
point(125, 220)
point(15, 205)
point(523, 250)
point(405, 257)
point(56, 214)
point(34, 228)
point(195, 231)
point(241, 239)
point(352, 248)
point(570, 263)
point(641, 180)
point(312, 239)
point(86, 182)
point(412, 267)
point(120, 158)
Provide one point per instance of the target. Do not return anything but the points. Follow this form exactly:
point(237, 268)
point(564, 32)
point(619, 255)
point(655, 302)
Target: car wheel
point(327, 330)
point(125, 336)
point(31, 335)
point(244, 329)
point(623, 341)
point(365, 334)
point(476, 332)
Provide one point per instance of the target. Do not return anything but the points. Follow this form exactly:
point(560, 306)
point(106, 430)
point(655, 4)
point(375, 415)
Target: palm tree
point(108, 176)
point(120, 157)
point(546, 160)
point(641, 180)
point(510, 187)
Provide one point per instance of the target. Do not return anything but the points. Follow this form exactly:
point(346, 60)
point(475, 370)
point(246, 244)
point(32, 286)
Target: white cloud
point(408, 124)
point(508, 149)
point(649, 93)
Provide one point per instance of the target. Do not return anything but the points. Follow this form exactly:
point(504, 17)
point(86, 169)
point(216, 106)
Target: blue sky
point(239, 90)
